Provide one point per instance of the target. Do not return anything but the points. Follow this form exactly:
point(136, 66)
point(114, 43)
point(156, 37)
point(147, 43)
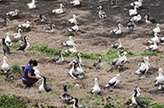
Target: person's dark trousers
point(30, 82)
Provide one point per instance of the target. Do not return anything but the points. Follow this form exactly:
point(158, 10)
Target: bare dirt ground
point(94, 37)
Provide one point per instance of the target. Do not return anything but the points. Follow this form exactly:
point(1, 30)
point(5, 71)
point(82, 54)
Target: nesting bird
point(160, 79)
point(5, 48)
point(118, 30)
point(25, 26)
point(32, 5)
point(155, 38)
point(65, 96)
point(59, 59)
point(73, 20)
point(114, 3)
point(131, 25)
point(153, 47)
point(120, 60)
point(137, 3)
point(74, 28)
point(12, 14)
point(136, 18)
point(75, 104)
point(149, 20)
point(72, 50)
point(59, 10)
point(157, 29)
point(41, 19)
point(75, 2)
point(118, 45)
point(144, 67)
point(17, 35)
point(43, 87)
point(98, 64)
point(133, 11)
point(96, 89)
point(70, 42)
point(5, 66)
point(102, 13)
point(24, 46)
point(49, 29)
point(114, 82)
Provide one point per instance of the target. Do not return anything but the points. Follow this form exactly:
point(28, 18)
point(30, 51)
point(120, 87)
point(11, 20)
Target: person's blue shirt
point(28, 68)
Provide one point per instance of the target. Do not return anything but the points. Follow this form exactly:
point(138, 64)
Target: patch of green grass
point(15, 46)
point(69, 86)
point(145, 53)
point(157, 105)
point(16, 69)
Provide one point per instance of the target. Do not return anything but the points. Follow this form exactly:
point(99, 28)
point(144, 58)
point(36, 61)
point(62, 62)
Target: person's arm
point(30, 76)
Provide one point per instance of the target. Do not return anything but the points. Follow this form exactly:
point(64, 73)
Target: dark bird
point(65, 96)
point(5, 48)
point(43, 86)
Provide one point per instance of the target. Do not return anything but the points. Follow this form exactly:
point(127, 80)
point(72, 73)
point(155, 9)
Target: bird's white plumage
point(5, 66)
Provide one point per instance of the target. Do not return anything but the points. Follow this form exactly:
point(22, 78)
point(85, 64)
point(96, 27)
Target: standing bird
point(114, 82)
point(137, 101)
point(121, 60)
point(157, 29)
point(96, 89)
point(160, 79)
point(5, 67)
point(43, 86)
point(60, 10)
point(32, 5)
point(144, 67)
point(8, 40)
point(65, 96)
point(102, 13)
point(118, 45)
point(118, 30)
point(24, 46)
point(75, 2)
point(5, 48)
point(75, 104)
point(98, 64)
point(149, 20)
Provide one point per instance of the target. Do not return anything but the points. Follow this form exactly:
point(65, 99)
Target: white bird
point(75, 28)
point(157, 29)
point(155, 38)
point(118, 30)
point(137, 3)
point(102, 13)
point(25, 26)
point(32, 5)
point(113, 82)
point(43, 87)
point(136, 18)
point(144, 67)
point(96, 89)
point(149, 20)
point(98, 64)
point(79, 68)
point(59, 10)
point(153, 47)
point(49, 29)
point(160, 79)
point(74, 73)
point(17, 35)
point(5, 66)
point(72, 50)
point(36, 72)
point(121, 60)
point(14, 13)
point(138, 91)
point(73, 20)
point(133, 11)
point(8, 40)
point(70, 42)
point(118, 45)
point(75, 2)
point(59, 59)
